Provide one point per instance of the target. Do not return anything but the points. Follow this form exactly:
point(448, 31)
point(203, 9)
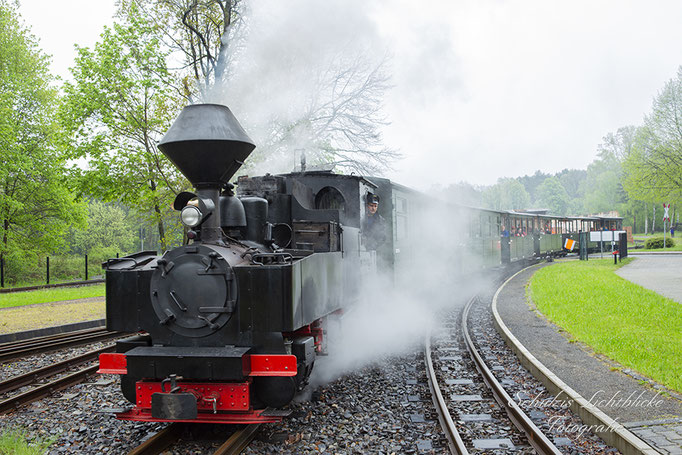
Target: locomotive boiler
point(228, 325)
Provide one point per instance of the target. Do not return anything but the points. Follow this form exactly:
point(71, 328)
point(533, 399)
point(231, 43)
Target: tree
point(110, 230)
point(338, 121)
point(120, 104)
point(206, 34)
point(603, 187)
point(506, 194)
point(336, 118)
point(573, 181)
point(36, 204)
point(653, 167)
point(462, 193)
point(552, 195)
point(532, 182)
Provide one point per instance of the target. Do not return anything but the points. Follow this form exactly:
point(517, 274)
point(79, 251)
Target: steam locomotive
point(230, 323)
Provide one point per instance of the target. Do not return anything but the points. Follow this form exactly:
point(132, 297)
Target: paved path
point(623, 395)
point(660, 273)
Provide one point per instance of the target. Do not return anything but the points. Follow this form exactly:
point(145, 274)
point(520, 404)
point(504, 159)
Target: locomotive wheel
point(128, 387)
point(303, 375)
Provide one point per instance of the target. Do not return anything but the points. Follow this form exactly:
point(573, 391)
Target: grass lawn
point(677, 247)
point(16, 442)
point(50, 295)
point(632, 325)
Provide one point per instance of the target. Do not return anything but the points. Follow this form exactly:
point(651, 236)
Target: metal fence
point(85, 274)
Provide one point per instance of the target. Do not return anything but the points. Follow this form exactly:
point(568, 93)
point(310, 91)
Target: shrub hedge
point(657, 242)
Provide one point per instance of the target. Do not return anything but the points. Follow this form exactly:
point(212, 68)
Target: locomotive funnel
point(207, 144)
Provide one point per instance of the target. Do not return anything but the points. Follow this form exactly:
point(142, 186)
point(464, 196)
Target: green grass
point(677, 247)
point(50, 295)
point(632, 325)
point(16, 442)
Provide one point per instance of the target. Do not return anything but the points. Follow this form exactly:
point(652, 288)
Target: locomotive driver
point(373, 226)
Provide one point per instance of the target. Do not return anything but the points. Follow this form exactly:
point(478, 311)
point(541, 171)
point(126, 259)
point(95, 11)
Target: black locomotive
point(230, 323)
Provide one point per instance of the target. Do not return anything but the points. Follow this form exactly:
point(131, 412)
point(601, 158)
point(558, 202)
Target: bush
point(657, 242)
point(28, 269)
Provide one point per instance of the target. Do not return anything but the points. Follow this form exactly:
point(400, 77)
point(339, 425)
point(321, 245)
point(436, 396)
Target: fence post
point(86, 267)
point(47, 269)
point(2, 271)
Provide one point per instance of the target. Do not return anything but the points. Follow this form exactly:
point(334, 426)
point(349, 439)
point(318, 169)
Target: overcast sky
point(482, 89)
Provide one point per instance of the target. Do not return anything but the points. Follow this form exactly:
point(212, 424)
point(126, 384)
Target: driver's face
point(372, 208)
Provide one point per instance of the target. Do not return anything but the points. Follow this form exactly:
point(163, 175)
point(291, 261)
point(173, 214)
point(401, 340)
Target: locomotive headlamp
point(190, 216)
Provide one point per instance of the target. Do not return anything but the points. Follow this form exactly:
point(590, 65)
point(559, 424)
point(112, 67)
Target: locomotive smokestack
point(208, 145)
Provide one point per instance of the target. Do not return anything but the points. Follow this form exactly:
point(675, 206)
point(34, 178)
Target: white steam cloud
point(394, 317)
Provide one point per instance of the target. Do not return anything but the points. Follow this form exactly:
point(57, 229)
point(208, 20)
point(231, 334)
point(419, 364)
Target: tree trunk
point(5, 235)
point(653, 221)
point(162, 231)
point(646, 219)
point(159, 218)
point(634, 221)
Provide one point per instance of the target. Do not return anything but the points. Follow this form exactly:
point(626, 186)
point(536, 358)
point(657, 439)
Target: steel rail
point(57, 336)
point(54, 336)
point(17, 382)
point(46, 389)
point(11, 353)
point(159, 442)
point(535, 436)
point(455, 442)
point(239, 440)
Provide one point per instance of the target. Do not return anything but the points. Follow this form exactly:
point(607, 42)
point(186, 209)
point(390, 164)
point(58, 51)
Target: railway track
point(42, 390)
point(19, 349)
point(165, 438)
point(470, 434)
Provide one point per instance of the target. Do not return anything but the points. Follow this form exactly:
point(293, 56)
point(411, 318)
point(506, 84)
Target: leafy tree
point(338, 115)
point(551, 194)
point(36, 204)
point(206, 34)
point(573, 181)
point(110, 230)
point(603, 187)
point(653, 168)
point(506, 194)
point(532, 182)
point(118, 106)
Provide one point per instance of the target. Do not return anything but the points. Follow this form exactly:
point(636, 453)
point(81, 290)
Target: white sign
point(666, 216)
point(606, 236)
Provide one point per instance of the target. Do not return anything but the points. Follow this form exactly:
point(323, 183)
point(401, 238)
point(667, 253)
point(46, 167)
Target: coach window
point(329, 198)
